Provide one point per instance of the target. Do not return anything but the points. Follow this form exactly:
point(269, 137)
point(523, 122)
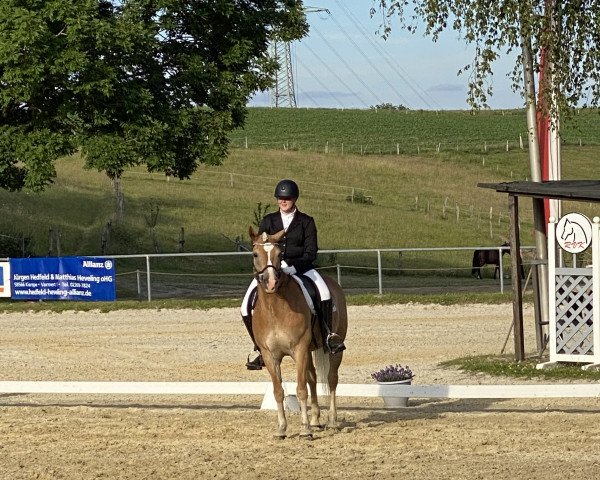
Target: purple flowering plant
point(393, 373)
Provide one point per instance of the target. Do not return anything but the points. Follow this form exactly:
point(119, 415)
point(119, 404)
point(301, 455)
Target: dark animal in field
point(490, 257)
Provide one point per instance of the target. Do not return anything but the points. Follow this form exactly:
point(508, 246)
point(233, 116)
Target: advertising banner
point(5, 279)
point(63, 278)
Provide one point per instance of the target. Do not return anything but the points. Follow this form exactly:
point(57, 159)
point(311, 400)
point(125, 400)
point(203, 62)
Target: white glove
point(289, 270)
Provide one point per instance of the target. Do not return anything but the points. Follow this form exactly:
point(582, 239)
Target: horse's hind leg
point(302, 357)
point(315, 411)
point(332, 381)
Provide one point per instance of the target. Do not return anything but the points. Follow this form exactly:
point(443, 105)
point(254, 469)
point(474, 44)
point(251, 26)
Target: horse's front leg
point(274, 368)
point(301, 357)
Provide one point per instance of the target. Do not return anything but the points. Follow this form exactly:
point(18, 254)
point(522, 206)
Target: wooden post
point(181, 240)
point(50, 242)
point(515, 259)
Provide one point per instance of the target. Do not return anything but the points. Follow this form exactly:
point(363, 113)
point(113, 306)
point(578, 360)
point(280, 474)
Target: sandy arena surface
point(198, 437)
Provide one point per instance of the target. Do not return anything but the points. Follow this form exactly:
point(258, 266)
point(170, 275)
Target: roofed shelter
point(572, 190)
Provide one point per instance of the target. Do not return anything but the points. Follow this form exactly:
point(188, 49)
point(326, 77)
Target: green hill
point(359, 201)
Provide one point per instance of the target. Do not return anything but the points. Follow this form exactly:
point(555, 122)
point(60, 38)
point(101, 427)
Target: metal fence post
point(148, 277)
point(339, 274)
point(501, 269)
point(139, 286)
point(379, 273)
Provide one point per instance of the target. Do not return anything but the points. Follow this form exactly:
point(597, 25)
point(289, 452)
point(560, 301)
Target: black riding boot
point(333, 341)
point(257, 363)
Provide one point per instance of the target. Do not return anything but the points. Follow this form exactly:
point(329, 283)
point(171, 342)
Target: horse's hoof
point(306, 436)
point(279, 436)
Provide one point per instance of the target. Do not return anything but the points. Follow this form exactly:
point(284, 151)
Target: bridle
point(277, 270)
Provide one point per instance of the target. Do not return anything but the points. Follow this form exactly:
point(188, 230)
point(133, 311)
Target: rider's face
point(286, 204)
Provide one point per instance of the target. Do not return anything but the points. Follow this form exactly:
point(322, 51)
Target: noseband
point(277, 270)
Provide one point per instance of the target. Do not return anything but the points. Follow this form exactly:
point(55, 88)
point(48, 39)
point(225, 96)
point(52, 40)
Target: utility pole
point(538, 203)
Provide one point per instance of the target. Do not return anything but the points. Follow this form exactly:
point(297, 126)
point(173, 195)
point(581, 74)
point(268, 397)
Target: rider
point(299, 253)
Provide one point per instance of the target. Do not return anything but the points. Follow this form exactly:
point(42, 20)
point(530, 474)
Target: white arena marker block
point(290, 401)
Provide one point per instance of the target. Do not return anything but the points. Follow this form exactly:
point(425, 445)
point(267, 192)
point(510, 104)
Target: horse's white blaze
point(268, 248)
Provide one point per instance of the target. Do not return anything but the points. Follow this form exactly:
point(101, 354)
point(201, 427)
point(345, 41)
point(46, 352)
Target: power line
point(368, 60)
point(387, 57)
point(343, 60)
point(320, 83)
point(337, 77)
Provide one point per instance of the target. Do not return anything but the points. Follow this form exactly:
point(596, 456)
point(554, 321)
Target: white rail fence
point(377, 254)
point(265, 389)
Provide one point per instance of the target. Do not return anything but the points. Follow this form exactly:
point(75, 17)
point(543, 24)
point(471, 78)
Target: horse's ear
point(251, 234)
point(278, 236)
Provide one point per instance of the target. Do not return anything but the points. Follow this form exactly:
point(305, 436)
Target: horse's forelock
point(265, 237)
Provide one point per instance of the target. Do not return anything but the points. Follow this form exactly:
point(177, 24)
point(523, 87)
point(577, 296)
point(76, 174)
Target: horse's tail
point(321, 361)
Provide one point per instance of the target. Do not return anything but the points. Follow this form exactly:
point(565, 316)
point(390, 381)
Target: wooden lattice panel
point(574, 315)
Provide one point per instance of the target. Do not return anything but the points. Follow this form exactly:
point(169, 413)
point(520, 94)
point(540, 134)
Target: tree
point(569, 31)
point(158, 83)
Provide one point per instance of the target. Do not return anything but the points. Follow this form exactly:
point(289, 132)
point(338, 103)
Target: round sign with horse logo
point(574, 232)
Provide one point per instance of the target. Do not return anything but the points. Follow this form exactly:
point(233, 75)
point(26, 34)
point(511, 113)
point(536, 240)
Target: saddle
point(313, 299)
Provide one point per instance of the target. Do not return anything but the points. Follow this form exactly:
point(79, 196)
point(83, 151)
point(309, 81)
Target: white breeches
point(320, 283)
point(244, 307)
point(312, 274)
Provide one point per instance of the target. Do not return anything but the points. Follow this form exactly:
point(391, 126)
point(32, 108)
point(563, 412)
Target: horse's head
point(568, 230)
point(266, 251)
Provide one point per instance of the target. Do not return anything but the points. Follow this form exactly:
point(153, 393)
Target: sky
point(343, 63)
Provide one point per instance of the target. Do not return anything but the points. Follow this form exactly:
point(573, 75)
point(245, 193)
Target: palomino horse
point(283, 325)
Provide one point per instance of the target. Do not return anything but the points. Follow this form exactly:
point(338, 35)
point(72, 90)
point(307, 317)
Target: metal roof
point(576, 190)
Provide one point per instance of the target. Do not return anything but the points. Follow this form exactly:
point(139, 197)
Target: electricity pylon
point(283, 93)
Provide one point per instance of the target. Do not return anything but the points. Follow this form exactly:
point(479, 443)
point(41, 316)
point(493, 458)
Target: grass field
point(413, 200)
point(405, 132)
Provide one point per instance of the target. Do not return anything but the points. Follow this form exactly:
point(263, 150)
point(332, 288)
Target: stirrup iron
point(337, 345)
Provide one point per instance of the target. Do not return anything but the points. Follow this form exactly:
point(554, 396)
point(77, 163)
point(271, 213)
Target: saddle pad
point(307, 296)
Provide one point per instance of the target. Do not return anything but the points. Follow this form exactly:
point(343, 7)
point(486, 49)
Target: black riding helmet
point(287, 189)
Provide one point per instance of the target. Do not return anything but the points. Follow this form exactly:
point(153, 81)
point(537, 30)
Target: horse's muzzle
point(269, 278)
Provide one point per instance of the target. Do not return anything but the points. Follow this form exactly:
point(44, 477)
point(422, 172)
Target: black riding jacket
point(300, 249)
